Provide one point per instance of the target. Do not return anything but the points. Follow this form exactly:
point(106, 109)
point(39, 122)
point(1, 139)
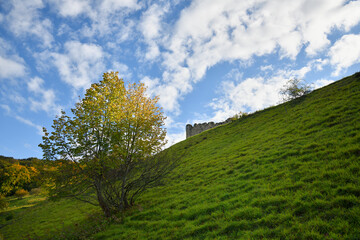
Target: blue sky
point(206, 59)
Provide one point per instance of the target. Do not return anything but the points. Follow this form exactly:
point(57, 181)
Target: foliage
point(20, 193)
point(23, 174)
point(294, 88)
point(108, 146)
point(16, 176)
point(3, 203)
point(239, 115)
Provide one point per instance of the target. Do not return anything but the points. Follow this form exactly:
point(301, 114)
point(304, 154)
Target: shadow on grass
point(34, 217)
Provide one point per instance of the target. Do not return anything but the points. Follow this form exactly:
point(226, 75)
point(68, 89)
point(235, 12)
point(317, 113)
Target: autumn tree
point(14, 177)
point(109, 146)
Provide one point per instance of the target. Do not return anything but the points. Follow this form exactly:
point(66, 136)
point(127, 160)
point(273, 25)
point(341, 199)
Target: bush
point(21, 193)
point(3, 203)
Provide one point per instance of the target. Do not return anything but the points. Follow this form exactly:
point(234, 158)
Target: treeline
point(23, 175)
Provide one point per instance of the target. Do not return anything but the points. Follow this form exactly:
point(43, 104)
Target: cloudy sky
point(206, 59)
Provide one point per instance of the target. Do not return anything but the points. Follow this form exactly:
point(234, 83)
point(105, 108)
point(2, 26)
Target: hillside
point(290, 171)
point(286, 172)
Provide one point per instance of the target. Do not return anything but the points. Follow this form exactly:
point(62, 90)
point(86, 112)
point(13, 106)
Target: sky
point(206, 59)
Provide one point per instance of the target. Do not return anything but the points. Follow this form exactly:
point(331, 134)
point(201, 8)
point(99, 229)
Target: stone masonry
point(200, 127)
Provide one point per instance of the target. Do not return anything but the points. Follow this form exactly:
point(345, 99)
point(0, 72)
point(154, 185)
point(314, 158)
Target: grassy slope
point(290, 171)
point(33, 216)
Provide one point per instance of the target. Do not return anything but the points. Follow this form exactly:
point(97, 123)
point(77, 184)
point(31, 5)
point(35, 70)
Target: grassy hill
point(287, 172)
point(33, 217)
point(290, 171)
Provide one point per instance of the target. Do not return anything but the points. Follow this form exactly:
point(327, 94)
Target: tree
point(239, 115)
point(109, 146)
point(294, 88)
point(14, 177)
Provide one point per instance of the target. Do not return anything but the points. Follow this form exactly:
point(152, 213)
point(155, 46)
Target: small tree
point(239, 115)
point(294, 88)
point(108, 146)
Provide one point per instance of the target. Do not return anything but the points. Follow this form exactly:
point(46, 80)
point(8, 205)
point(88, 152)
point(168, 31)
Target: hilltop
point(286, 172)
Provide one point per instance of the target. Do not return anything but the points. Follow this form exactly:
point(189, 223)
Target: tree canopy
point(294, 88)
point(18, 174)
point(108, 146)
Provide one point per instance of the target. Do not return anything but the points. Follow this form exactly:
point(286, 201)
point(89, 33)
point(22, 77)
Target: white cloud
point(11, 65)
point(266, 68)
point(150, 26)
point(35, 84)
point(104, 17)
point(11, 68)
point(319, 63)
point(177, 131)
point(123, 69)
point(16, 98)
point(47, 97)
point(71, 8)
point(91, 9)
point(6, 108)
point(252, 94)
point(168, 93)
point(30, 123)
point(151, 85)
point(80, 65)
point(113, 5)
point(209, 32)
point(345, 52)
point(322, 17)
point(321, 83)
point(24, 19)
point(9, 96)
point(173, 138)
point(64, 29)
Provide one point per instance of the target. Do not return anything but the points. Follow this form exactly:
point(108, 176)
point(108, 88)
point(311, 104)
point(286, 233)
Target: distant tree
point(294, 88)
point(239, 115)
point(108, 146)
point(21, 174)
point(14, 177)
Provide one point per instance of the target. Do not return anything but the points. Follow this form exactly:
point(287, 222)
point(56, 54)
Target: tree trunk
point(123, 197)
point(102, 202)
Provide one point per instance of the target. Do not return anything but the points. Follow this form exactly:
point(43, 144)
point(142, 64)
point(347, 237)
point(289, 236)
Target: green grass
point(34, 217)
point(287, 172)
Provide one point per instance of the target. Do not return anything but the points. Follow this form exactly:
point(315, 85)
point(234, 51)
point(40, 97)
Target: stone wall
point(200, 127)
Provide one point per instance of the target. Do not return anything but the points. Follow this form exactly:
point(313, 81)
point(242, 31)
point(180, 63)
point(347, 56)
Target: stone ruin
point(200, 127)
